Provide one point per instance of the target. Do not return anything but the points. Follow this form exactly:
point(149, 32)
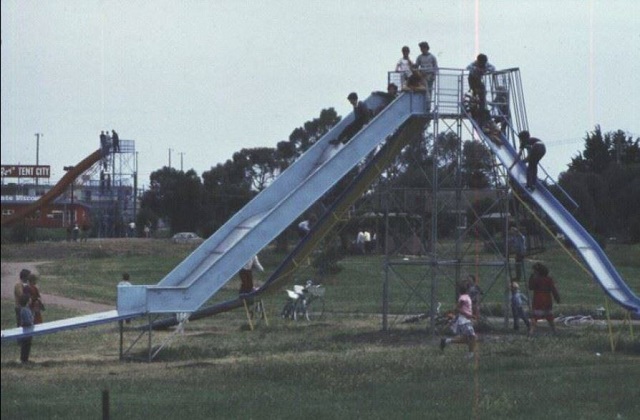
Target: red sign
point(25, 171)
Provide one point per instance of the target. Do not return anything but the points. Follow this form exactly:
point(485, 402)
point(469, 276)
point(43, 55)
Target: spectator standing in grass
point(518, 304)
point(26, 320)
point(246, 274)
point(544, 293)
point(517, 248)
point(35, 300)
point(125, 280)
point(21, 288)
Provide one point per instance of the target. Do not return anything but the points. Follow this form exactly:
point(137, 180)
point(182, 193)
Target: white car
point(186, 238)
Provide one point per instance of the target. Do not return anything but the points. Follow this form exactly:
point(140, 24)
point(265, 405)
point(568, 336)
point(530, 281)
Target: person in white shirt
point(360, 242)
point(405, 65)
point(246, 274)
point(367, 242)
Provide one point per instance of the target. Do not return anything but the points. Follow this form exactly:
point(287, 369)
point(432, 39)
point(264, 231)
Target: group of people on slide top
point(421, 75)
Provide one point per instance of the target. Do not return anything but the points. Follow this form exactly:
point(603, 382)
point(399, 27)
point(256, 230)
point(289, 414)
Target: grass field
point(341, 367)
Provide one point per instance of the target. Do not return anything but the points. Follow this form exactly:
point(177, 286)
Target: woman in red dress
point(544, 292)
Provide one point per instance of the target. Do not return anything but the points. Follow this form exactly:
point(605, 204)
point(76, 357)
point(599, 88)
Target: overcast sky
point(208, 78)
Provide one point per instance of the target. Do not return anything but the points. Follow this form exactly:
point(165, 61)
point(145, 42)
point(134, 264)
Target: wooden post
point(246, 309)
point(105, 404)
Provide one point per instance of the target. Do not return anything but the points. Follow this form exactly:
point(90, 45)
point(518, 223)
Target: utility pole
point(38, 135)
point(170, 157)
point(73, 210)
point(135, 189)
point(181, 156)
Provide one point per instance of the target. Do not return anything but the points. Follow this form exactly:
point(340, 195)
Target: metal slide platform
point(602, 269)
point(65, 324)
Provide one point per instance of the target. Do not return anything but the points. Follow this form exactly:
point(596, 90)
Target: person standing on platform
point(116, 141)
point(405, 65)
point(477, 70)
point(427, 65)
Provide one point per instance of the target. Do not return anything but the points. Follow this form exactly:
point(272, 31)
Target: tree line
point(603, 179)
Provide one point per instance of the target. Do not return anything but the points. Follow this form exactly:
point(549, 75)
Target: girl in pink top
point(465, 334)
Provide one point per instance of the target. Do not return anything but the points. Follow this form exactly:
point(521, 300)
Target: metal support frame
point(146, 329)
point(445, 263)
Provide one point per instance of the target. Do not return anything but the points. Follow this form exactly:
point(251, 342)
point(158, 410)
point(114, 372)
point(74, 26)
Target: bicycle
point(442, 321)
point(576, 320)
point(304, 302)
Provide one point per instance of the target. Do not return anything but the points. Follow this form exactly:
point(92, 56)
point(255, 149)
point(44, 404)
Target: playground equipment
point(204, 272)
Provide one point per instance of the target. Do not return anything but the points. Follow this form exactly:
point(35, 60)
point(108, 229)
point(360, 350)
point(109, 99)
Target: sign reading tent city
point(25, 171)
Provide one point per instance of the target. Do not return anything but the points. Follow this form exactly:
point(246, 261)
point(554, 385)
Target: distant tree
point(302, 138)
point(175, 196)
point(476, 164)
point(604, 180)
point(226, 189)
point(259, 165)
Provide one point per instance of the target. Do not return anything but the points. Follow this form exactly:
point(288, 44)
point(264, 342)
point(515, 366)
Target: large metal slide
point(204, 272)
point(604, 273)
point(411, 130)
point(57, 189)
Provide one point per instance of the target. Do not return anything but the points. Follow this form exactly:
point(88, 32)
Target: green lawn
point(341, 367)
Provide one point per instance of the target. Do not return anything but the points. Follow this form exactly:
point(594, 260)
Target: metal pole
point(169, 157)
point(135, 189)
point(71, 218)
point(38, 151)
point(105, 405)
point(181, 156)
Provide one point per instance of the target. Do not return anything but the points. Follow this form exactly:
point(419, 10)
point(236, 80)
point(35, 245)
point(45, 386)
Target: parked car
point(186, 238)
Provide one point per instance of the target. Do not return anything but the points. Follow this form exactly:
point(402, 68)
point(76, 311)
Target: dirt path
point(10, 275)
